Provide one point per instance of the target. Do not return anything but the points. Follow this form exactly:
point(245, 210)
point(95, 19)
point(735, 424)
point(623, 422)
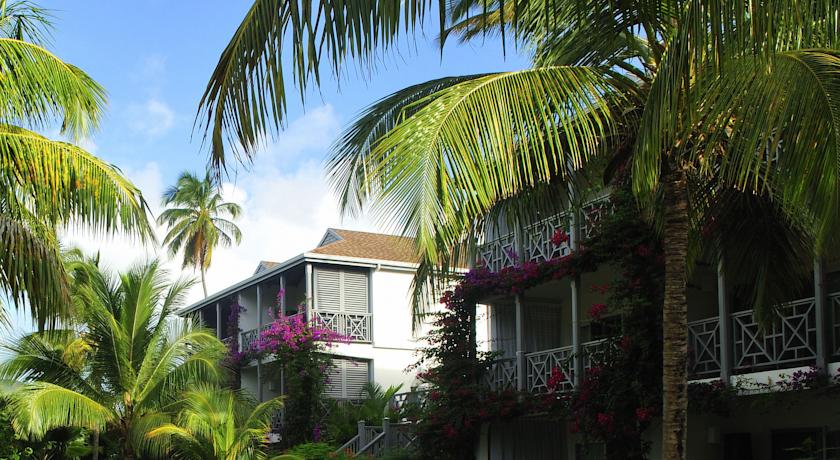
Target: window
point(347, 378)
point(342, 302)
point(341, 290)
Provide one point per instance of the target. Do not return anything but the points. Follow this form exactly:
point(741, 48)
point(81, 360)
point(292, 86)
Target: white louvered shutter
point(356, 376)
point(347, 379)
point(328, 289)
point(341, 291)
point(355, 286)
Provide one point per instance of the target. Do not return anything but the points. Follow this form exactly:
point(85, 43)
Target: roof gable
point(366, 245)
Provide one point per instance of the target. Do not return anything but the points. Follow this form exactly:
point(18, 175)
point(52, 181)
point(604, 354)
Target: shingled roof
point(365, 245)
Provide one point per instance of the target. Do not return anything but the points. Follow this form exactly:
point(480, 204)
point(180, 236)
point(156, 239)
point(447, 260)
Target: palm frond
point(40, 407)
point(38, 88)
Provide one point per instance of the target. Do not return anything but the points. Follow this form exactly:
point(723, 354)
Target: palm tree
point(216, 423)
point(128, 359)
point(195, 221)
point(687, 93)
point(47, 184)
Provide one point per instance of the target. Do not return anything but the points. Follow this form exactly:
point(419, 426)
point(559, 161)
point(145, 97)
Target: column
point(259, 330)
point(574, 237)
point(820, 302)
point(218, 320)
point(309, 292)
point(521, 378)
point(724, 331)
point(282, 294)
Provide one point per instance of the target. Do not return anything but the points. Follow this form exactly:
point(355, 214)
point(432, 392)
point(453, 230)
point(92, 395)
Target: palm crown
point(48, 184)
point(196, 221)
point(129, 357)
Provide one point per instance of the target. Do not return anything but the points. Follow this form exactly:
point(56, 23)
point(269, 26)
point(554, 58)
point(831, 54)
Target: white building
point(358, 283)
point(547, 326)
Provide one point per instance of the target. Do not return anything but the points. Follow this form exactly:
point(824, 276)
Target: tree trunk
point(95, 446)
point(203, 283)
point(675, 317)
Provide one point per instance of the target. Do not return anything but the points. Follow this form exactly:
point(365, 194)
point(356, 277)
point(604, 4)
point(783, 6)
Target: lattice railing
point(502, 374)
point(792, 337)
point(595, 353)
point(593, 213)
point(499, 253)
point(355, 326)
point(704, 347)
point(249, 338)
point(537, 239)
point(540, 365)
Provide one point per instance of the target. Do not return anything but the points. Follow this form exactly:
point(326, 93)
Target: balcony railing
point(502, 374)
point(789, 340)
point(352, 325)
point(541, 364)
point(536, 238)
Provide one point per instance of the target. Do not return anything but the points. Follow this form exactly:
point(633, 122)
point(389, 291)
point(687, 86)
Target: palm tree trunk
point(95, 446)
point(675, 317)
point(203, 283)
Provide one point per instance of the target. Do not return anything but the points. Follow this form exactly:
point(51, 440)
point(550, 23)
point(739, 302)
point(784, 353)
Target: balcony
point(536, 244)
point(355, 326)
point(790, 341)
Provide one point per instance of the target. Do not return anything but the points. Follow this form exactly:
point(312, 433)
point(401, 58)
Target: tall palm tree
point(683, 92)
point(196, 221)
point(128, 358)
point(215, 424)
point(45, 184)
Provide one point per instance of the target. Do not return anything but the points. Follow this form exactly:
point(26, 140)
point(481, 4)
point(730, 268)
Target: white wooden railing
point(536, 239)
point(373, 441)
point(355, 326)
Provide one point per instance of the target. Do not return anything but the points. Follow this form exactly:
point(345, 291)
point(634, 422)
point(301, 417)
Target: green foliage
point(214, 423)
point(60, 443)
point(127, 358)
point(47, 184)
point(315, 451)
point(342, 422)
point(195, 218)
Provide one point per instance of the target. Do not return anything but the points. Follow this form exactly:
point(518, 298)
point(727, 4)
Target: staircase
point(375, 440)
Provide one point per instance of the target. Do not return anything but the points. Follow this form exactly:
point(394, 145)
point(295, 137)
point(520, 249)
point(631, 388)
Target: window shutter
point(328, 289)
point(347, 379)
point(341, 290)
point(355, 292)
point(356, 377)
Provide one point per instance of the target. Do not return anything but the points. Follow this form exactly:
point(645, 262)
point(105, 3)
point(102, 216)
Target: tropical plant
point(48, 184)
point(694, 98)
point(128, 359)
point(196, 221)
point(343, 419)
point(215, 423)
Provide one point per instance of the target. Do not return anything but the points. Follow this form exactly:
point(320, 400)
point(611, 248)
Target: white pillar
point(259, 330)
point(219, 320)
point(574, 243)
point(282, 293)
point(309, 292)
point(521, 381)
point(820, 306)
point(724, 318)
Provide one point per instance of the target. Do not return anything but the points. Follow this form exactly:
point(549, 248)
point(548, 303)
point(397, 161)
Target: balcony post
point(724, 318)
point(820, 316)
point(386, 430)
point(219, 320)
point(259, 330)
point(520, 345)
point(309, 293)
point(519, 244)
point(282, 294)
point(574, 243)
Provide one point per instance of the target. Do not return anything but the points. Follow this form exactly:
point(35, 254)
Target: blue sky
point(154, 58)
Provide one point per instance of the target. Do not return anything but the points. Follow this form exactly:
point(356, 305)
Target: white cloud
point(152, 119)
point(285, 209)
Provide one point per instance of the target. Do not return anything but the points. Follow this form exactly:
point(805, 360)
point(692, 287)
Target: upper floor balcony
point(533, 243)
